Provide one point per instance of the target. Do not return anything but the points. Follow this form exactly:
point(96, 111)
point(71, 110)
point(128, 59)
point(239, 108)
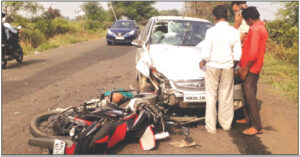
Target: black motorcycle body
point(11, 50)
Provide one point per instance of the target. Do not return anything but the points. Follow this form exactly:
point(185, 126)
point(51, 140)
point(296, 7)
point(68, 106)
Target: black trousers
point(251, 109)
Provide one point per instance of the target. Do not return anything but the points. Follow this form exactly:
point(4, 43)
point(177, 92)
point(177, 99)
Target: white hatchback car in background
point(168, 56)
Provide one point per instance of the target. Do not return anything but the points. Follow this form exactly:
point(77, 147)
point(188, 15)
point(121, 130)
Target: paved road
point(68, 75)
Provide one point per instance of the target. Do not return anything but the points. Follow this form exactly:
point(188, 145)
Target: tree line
point(39, 28)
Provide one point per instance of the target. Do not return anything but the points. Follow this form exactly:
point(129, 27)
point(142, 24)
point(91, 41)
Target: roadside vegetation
point(281, 60)
point(47, 29)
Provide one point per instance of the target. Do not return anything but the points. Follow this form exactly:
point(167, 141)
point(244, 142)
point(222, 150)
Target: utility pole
point(113, 10)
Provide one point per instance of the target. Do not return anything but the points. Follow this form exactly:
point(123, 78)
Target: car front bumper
point(188, 98)
point(122, 39)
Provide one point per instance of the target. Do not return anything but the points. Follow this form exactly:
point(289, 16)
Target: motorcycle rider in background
point(11, 48)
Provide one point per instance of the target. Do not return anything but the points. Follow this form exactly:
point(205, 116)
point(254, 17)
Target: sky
point(267, 10)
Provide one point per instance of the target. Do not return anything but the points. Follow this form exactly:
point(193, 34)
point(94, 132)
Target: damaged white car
point(167, 58)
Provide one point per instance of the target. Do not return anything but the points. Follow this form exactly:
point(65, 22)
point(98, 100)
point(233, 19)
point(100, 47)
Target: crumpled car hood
point(177, 62)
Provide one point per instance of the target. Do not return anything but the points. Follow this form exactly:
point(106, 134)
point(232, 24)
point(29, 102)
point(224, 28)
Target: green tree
point(204, 9)
point(93, 11)
point(283, 33)
point(135, 10)
point(173, 12)
point(51, 14)
point(11, 8)
point(290, 12)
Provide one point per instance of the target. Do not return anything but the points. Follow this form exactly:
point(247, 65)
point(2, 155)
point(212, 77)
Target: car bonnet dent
point(175, 62)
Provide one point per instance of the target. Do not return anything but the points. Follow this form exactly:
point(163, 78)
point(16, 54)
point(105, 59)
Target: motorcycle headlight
point(131, 32)
point(110, 32)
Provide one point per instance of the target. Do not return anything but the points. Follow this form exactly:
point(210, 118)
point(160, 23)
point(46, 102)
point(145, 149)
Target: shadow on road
point(248, 144)
point(25, 63)
point(120, 44)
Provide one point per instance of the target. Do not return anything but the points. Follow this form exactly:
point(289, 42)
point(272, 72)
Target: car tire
point(109, 43)
point(136, 75)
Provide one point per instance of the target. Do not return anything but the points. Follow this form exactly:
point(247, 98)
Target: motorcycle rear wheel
point(40, 127)
point(4, 64)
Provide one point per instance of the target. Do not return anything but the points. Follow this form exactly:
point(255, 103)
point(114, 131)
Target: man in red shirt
point(251, 63)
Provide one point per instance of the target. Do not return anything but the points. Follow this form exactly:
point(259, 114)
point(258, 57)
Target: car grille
point(120, 33)
point(192, 85)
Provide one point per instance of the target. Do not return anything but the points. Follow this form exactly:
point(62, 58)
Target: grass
point(281, 72)
point(64, 39)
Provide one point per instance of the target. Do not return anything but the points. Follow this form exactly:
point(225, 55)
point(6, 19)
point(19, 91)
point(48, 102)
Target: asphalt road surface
point(68, 75)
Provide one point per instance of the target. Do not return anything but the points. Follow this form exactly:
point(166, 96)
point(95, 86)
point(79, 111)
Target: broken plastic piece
point(162, 135)
point(147, 141)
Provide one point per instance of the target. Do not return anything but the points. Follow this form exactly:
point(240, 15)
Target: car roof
point(178, 18)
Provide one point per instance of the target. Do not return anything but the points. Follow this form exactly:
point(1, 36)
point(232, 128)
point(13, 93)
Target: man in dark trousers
point(251, 63)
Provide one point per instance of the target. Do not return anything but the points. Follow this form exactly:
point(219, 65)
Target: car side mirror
point(137, 27)
point(108, 26)
point(137, 43)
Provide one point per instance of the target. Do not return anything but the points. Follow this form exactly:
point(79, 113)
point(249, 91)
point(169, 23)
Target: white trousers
point(219, 86)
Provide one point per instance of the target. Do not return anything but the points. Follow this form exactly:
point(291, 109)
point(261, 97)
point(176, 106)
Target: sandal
point(252, 131)
point(242, 121)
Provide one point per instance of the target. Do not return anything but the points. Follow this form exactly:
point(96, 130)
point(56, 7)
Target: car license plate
point(119, 38)
point(194, 98)
point(59, 147)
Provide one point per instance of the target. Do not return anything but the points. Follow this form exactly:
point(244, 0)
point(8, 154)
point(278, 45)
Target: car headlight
point(131, 32)
point(110, 32)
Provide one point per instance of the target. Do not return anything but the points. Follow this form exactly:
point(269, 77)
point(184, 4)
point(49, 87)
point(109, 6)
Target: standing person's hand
point(238, 18)
point(243, 73)
point(202, 64)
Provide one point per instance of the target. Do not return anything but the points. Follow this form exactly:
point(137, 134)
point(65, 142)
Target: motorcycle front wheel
point(20, 57)
point(43, 125)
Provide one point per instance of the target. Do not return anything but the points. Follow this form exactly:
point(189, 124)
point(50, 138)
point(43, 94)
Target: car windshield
point(179, 32)
point(123, 24)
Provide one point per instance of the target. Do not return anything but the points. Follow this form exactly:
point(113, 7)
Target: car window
point(179, 32)
point(145, 31)
point(123, 24)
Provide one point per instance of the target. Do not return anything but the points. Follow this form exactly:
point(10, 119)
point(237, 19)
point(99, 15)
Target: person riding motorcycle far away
point(10, 32)
point(4, 36)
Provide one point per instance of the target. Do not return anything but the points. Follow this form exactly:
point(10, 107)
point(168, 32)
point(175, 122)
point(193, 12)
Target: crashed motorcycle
point(98, 125)
point(11, 49)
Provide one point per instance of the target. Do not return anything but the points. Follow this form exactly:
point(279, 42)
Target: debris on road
point(36, 52)
point(183, 144)
point(15, 113)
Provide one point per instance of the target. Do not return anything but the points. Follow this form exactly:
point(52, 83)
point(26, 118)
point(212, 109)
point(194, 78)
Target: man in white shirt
point(239, 22)
point(221, 52)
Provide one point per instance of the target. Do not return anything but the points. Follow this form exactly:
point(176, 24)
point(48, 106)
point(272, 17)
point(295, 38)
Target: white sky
point(267, 10)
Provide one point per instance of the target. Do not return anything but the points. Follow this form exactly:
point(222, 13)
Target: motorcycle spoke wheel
point(40, 126)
